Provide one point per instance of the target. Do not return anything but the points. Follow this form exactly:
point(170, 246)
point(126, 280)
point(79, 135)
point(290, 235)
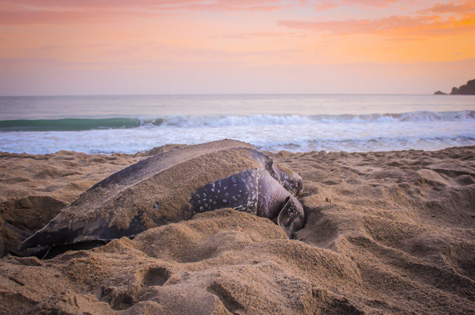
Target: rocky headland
point(466, 89)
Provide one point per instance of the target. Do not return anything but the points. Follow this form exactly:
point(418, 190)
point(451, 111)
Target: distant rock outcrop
point(466, 89)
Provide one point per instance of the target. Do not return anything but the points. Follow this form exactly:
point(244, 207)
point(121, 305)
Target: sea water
point(297, 123)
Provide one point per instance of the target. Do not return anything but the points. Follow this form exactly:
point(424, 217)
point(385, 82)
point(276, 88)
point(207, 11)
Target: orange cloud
point(406, 26)
point(463, 7)
point(332, 4)
point(366, 26)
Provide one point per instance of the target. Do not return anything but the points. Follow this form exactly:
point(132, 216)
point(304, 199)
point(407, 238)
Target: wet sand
point(386, 233)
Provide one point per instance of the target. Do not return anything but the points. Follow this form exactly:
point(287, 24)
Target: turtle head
point(289, 179)
point(291, 217)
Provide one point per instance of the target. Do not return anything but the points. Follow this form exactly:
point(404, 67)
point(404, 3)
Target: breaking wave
point(196, 121)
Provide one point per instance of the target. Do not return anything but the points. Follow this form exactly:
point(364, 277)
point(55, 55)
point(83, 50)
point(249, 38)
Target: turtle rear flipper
point(59, 237)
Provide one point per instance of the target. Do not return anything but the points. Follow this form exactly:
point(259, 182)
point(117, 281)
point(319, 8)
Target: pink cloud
point(253, 35)
point(152, 4)
point(236, 5)
point(66, 11)
point(332, 4)
point(369, 3)
point(326, 5)
point(18, 17)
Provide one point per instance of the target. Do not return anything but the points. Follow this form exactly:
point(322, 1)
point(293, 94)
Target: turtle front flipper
point(238, 191)
point(277, 202)
point(291, 216)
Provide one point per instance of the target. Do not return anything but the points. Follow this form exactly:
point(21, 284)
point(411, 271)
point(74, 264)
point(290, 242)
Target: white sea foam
point(336, 136)
point(187, 121)
point(332, 123)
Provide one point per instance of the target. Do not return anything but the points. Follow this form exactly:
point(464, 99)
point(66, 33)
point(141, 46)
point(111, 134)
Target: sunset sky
point(50, 47)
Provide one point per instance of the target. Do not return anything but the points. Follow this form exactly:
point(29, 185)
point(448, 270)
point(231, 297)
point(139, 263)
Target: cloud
point(463, 7)
point(148, 4)
point(326, 5)
point(364, 26)
point(23, 12)
point(369, 3)
point(425, 22)
point(17, 17)
point(332, 4)
point(258, 35)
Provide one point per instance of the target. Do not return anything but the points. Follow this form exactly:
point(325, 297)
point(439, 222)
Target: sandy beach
point(386, 233)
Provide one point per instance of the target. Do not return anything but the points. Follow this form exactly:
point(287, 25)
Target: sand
point(386, 233)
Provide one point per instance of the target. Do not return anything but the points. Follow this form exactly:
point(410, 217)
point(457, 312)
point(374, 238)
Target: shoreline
point(149, 152)
point(386, 232)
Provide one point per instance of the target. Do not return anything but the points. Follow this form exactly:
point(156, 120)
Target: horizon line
point(211, 94)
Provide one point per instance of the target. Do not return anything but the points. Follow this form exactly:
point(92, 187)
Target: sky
point(93, 47)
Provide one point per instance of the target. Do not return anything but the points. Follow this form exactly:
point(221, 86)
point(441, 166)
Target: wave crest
point(189, 121)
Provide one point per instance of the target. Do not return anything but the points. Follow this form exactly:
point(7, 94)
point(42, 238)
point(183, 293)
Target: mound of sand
point(387, 233)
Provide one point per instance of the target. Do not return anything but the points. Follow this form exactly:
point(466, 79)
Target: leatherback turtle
point(173, 186)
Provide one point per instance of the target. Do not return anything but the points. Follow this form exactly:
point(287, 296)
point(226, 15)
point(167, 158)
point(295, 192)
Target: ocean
point(296, 123)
